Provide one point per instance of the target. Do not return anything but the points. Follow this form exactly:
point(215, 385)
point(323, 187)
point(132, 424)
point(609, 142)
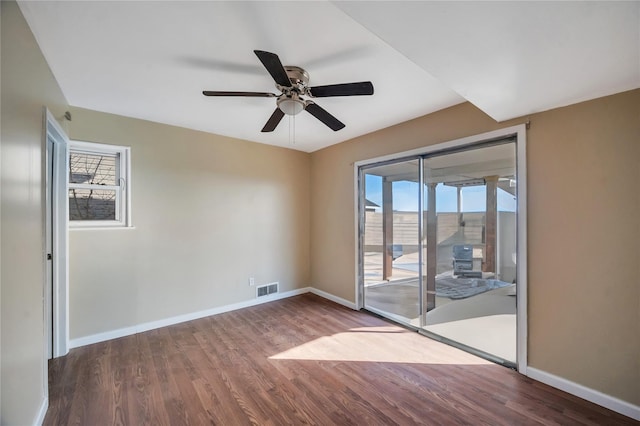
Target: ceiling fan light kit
point(290, 105)
point(293, 82)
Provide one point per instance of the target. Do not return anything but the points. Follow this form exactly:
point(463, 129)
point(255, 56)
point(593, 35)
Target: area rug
point(460, 288)
point(402, 298)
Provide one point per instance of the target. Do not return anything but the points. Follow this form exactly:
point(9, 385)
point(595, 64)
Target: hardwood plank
point(302, 360)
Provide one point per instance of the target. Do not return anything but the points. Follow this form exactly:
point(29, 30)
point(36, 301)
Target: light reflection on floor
point(379, 344)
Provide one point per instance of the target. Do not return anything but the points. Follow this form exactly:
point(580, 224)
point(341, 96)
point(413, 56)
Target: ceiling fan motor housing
point(289, 102)
point(298, 76)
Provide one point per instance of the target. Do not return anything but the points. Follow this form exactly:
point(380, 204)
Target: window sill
point(99, 228)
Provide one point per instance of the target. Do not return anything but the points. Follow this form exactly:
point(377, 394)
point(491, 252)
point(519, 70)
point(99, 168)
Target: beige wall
point(583, 175)
point(27, 86)
point(209, 212)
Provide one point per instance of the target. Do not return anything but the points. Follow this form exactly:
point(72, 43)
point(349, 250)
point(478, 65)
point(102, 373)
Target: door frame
point(56, 294)
point(520, 133)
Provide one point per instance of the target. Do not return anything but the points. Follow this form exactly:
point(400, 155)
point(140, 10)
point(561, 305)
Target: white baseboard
point(338, 300)
point(139, 328)
point(592, 395)
point(42, 411)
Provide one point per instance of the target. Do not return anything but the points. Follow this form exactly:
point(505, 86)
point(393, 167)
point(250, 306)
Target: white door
point(56, 232)
point(48, 305)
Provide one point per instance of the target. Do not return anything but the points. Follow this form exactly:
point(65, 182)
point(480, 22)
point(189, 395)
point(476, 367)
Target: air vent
point(266, 290)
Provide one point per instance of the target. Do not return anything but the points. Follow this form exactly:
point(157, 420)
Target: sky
point(405, 197)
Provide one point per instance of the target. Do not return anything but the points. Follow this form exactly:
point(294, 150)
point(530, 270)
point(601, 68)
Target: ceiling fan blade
point(273, 121)
point(247, 94)
point(346, 89)
point(322, 115)
point(272, 63)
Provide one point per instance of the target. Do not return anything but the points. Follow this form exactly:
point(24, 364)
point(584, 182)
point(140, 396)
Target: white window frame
point(123, 191)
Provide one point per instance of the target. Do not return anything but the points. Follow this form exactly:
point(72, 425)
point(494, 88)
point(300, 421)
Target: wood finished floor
point(302, 360)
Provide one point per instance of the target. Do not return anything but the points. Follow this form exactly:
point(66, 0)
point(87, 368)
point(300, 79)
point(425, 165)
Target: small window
point(99, 194)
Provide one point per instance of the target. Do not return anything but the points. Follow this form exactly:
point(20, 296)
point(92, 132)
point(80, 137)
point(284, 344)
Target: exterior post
point(491, 225)
point(432, 246)
point(387, 229)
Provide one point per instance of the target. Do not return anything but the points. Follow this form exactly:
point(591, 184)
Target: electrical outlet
point(252, 281)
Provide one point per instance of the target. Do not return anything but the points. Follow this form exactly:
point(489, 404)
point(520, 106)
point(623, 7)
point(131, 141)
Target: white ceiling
point(515, 58)
point(151, 60)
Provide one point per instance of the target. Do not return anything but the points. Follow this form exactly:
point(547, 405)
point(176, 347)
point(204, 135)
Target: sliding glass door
point(474, 250)
point(438, 245)
point(390, 253)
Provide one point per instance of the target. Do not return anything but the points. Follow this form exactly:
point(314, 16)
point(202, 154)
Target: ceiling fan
point(293, 82)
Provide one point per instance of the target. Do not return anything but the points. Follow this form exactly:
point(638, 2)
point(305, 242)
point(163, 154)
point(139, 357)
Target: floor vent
point(267, 289)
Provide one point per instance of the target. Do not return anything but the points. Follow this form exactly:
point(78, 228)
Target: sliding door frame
point(519, 132)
